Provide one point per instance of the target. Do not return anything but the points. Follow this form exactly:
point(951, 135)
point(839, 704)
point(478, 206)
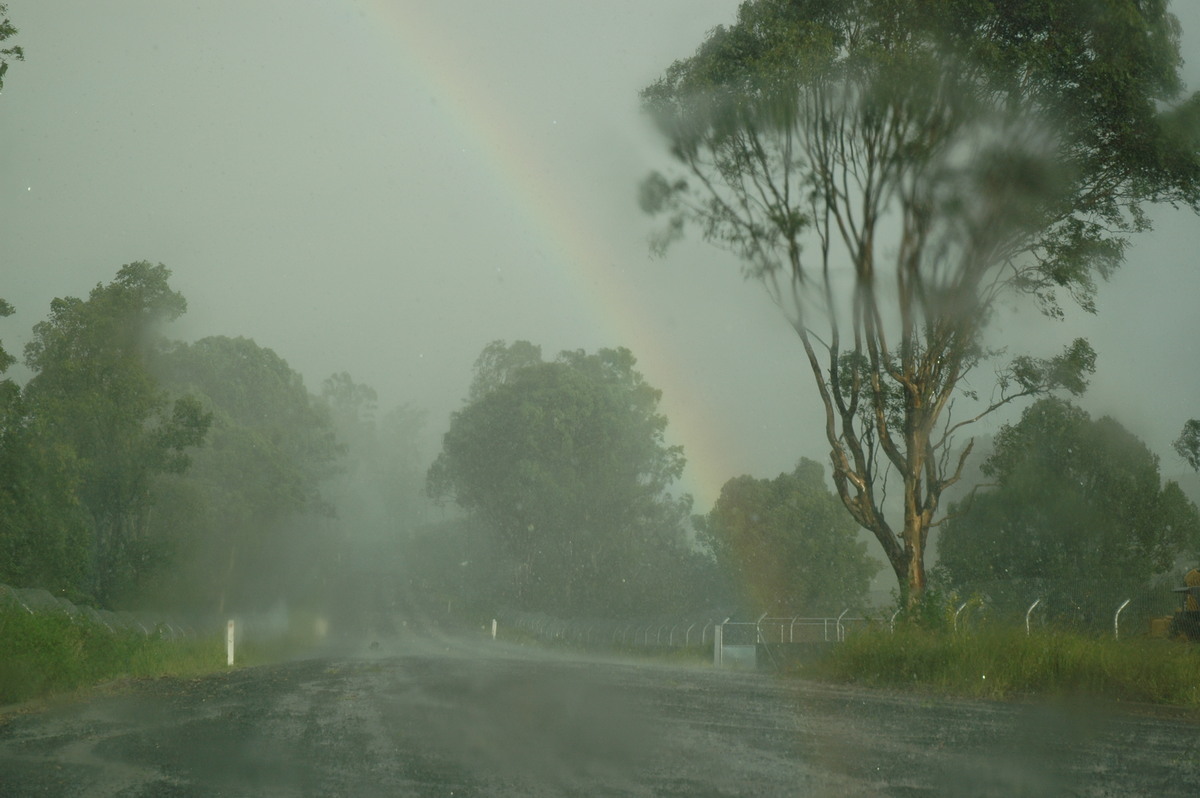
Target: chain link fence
point(765, 642)
point(270, 624)
point(676, 633)
point(37, 601)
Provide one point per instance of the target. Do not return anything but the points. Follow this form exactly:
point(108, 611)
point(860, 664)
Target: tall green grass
point(1006, 662)
point(47, 653)
point(43, 654)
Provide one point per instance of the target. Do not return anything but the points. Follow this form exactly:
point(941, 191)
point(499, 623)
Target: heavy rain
point(673, 398)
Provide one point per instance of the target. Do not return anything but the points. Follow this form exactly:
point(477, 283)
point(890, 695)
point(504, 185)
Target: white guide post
point(229, 642)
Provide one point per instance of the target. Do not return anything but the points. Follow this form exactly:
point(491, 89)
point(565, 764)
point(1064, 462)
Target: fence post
point(1027, 613)
point(841, 630)
point(1117, 619)
point(961, 607)
point(718, 644)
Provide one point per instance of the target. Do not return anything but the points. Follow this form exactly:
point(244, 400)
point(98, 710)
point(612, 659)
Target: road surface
point(447, 718)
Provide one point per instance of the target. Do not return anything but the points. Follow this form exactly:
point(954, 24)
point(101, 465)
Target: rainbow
point(486, 125)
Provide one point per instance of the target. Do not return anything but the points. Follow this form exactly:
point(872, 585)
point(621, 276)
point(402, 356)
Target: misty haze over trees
point(144, 470)
point(891, 173)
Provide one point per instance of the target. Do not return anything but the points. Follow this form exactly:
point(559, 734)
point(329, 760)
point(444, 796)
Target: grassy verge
point(1005, 663)
point(52, 653)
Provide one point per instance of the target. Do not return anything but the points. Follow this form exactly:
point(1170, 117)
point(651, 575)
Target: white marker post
point(493, 628)
point(229, 643)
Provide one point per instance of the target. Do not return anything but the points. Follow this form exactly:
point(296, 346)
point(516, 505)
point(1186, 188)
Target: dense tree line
point(136, 469)
point(1076, 513)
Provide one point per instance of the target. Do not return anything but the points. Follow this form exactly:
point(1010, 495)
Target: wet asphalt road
point(456, 719)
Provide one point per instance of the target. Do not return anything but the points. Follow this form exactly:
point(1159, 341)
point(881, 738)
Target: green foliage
point(7, 30)
point(788, 544)
point(6, 360)
point(1188, 443)
point(42, 654)
point(891, 171)
point(1079, 517)
point(566, 464)
point(999, 663)
point(47, 653)
point(93, 395)
point(44, 528)
point(235, 519)
point(498, 363)
point(43, 531)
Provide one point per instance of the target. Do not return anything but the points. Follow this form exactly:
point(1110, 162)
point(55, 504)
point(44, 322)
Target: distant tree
point(566, 462)
point(1188, 443)
point(890, 171)
point(789, 543)
point(498, 363)
point(353, 407)
point(1078, 515)
point(93, 393)
point(6, 359)
point(7, 31)
point(248, 519)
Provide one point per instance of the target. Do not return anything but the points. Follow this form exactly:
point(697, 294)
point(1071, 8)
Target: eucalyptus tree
point(893, 171)
point(93, 394)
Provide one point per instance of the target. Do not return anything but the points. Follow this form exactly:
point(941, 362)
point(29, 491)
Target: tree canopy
point(1078, 517)
point(93, 394)
point(890, 171)
point(240, 511)
point(136, 470)
point(566, 462)
point(1188, 443)
point(788, 544)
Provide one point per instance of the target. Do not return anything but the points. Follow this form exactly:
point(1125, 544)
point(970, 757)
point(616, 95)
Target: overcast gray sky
point(384, 186)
